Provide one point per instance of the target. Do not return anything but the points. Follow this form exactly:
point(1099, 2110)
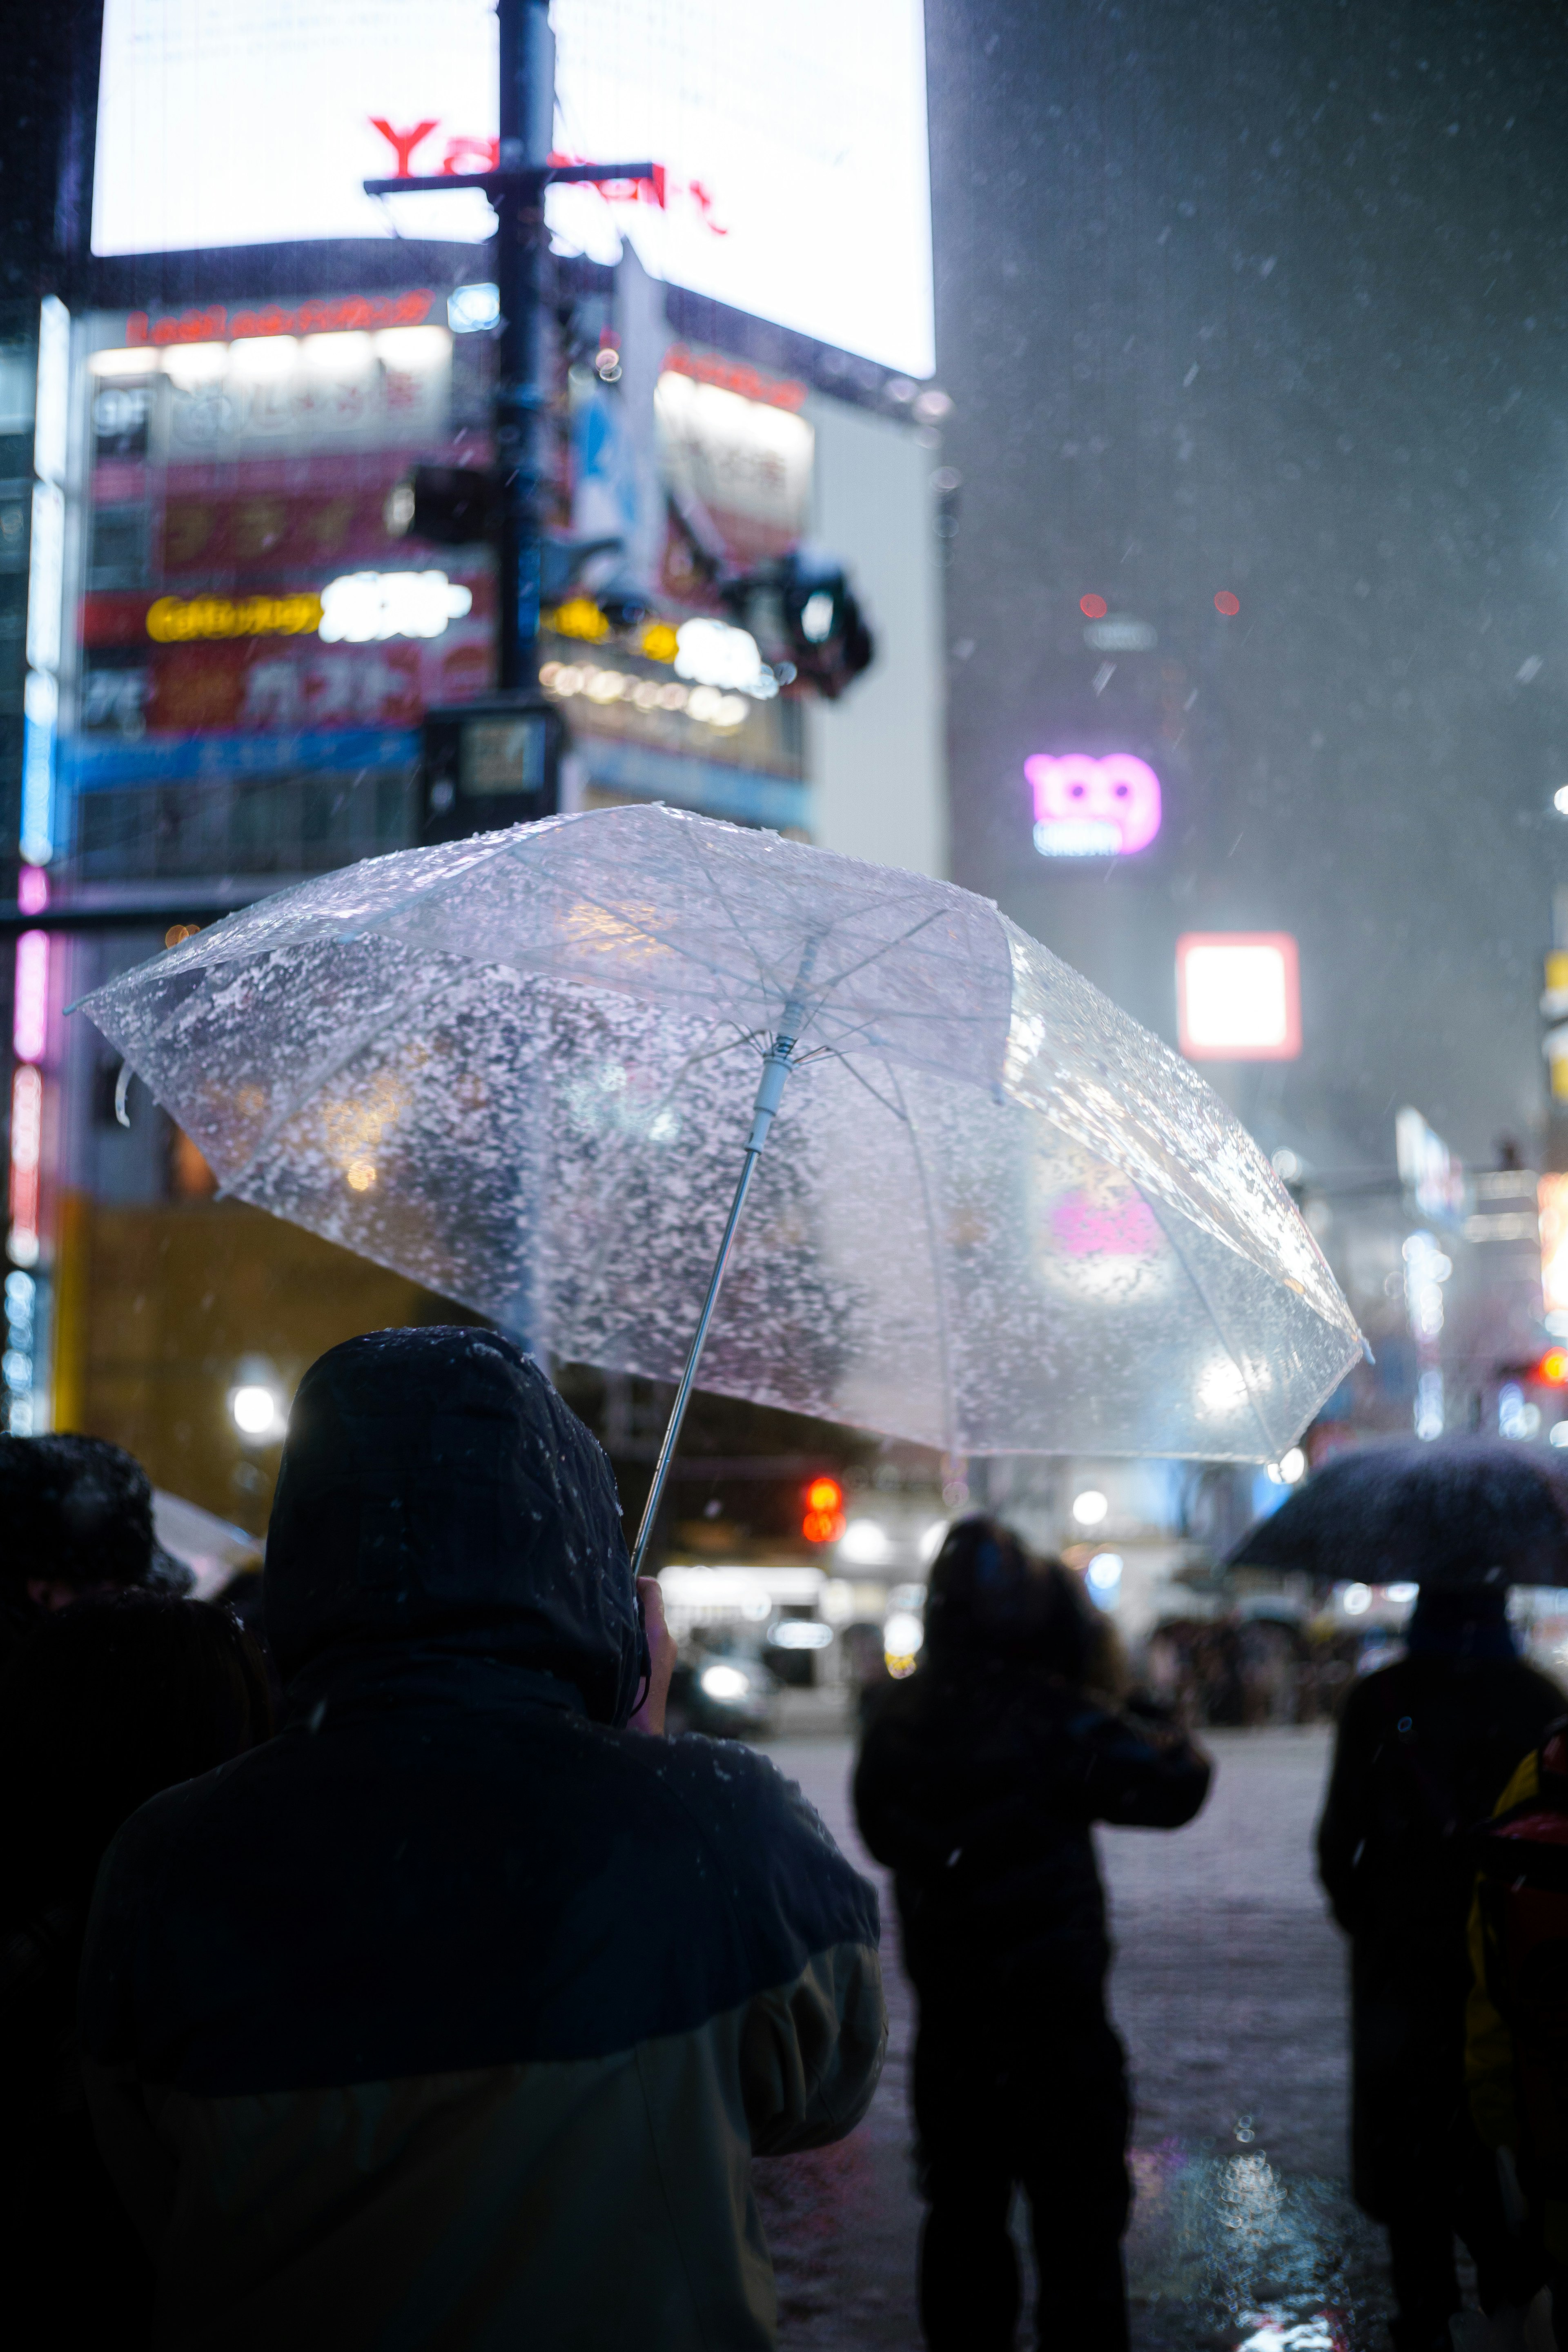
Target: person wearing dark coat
point(1425, 1748)
point(76, 1519)
point(455, 2016)
point(978, 1782)
point(102, 1707)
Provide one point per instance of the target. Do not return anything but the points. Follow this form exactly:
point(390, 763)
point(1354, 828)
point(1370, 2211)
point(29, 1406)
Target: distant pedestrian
point(1425, 1748)
point(454, 2017)
point(1516, 2031)
point(978, 1782)
point(103, 1705)
point(76, 1518)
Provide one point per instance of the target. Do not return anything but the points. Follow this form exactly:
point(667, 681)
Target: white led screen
point(790, 137)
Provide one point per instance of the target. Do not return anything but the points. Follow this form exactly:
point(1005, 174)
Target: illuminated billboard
point(789, 137)
point(1238, 996)
point(1088, 807)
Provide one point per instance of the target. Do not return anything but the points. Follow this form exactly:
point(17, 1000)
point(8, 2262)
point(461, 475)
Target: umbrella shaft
point(776, 1070)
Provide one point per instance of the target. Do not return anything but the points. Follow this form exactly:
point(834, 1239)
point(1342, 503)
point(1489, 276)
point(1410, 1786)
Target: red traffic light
point(823, 1519)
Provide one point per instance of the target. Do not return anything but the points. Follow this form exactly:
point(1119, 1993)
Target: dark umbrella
point(1451, 1512)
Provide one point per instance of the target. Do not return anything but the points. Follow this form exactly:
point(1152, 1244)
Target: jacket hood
point(435, 1491)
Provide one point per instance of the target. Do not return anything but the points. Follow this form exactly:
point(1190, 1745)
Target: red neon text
point(215, 324)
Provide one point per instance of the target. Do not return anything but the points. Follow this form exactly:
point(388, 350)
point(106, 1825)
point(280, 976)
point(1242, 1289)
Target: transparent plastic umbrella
point(993, 1214)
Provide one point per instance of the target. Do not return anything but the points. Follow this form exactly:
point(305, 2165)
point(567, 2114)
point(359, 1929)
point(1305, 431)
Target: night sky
point(1273, 301)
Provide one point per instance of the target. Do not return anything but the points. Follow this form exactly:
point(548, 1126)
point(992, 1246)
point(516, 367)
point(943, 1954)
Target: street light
point(255, 1410)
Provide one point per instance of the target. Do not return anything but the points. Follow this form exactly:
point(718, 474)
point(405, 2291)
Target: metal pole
point(527, 113)
point(776, 1070)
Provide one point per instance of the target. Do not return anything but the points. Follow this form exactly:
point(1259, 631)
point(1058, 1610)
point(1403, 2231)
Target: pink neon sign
point(31, 1018)
point(1088, 807)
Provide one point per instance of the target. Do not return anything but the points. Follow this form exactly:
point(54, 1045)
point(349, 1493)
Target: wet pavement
point(1229, 1991)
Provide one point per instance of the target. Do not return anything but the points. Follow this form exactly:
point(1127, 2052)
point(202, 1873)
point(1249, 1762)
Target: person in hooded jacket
point(978, 1782)
point(101, 1706)
point(76, 1521)
point(1425, 1748)
point(455, 2015)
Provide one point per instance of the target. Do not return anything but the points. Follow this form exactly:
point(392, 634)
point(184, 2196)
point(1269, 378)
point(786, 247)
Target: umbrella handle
point(770, 1089)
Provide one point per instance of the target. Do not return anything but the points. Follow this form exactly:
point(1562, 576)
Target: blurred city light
point(30, 1003)
point(711, 653)
point(365, 607)
point(1551, 1202)
point(902, 1637)
point(1104, 1578)
point(1089, 807)
point(257, 1411)
point(801, 1634)
point(866, 1542)
point(1515, 1417)
point(1090, 1508)
point(823, 1519)
point(1238, 996)
point(472, 309)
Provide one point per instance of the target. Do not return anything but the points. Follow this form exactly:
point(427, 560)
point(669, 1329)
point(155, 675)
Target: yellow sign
point(176, 620)
point(580, 617)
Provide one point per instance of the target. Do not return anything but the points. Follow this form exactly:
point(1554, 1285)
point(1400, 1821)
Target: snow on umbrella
point(995, 1214)
point(1446, 1511)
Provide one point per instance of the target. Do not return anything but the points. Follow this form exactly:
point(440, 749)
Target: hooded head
point(990, 1598)
point(1461, 1621)
point(435, 1490)
point(77, 1512)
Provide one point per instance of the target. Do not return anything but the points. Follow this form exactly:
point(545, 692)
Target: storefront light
point(190, 366)
point(472, 309)
point(367, 607)
point(261, 359)
point(26, 1155)
point(30, 1001)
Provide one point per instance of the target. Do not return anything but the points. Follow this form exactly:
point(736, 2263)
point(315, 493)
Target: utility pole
point(516, 190)
point(527, 136)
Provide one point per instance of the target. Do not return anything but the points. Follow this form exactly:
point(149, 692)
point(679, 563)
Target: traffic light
point(823, 1519)
point(447, 506)
point(1552, 1371)
point(490, 764)
point(830, 642)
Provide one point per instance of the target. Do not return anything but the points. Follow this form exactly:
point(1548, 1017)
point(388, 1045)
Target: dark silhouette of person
point(978, 1782)
point(455, 2015)
point(101, 1708)
point(76, 1518)
point(1425, 1748)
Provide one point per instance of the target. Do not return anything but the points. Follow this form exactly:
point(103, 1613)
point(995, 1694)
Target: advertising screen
point(789, 137)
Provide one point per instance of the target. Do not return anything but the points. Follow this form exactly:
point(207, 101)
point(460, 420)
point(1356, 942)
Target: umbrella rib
point(1271, 1449)
point(886, 947)
point(943, 1344)
point(765, 972)
point(832, 1054)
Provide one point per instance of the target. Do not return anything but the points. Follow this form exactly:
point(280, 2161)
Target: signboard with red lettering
point(788, 139)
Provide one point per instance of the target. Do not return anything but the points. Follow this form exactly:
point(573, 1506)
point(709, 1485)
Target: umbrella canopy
point(1442, 1512)
point(995, 1214)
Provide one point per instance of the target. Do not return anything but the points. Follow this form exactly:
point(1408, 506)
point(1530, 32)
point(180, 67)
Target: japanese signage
point(788, 139)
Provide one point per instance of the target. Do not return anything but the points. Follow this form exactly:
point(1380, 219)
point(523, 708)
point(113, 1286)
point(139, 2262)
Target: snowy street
point(1228, 1989)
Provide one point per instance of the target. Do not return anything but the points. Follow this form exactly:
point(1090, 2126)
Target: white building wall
point(877, 757)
